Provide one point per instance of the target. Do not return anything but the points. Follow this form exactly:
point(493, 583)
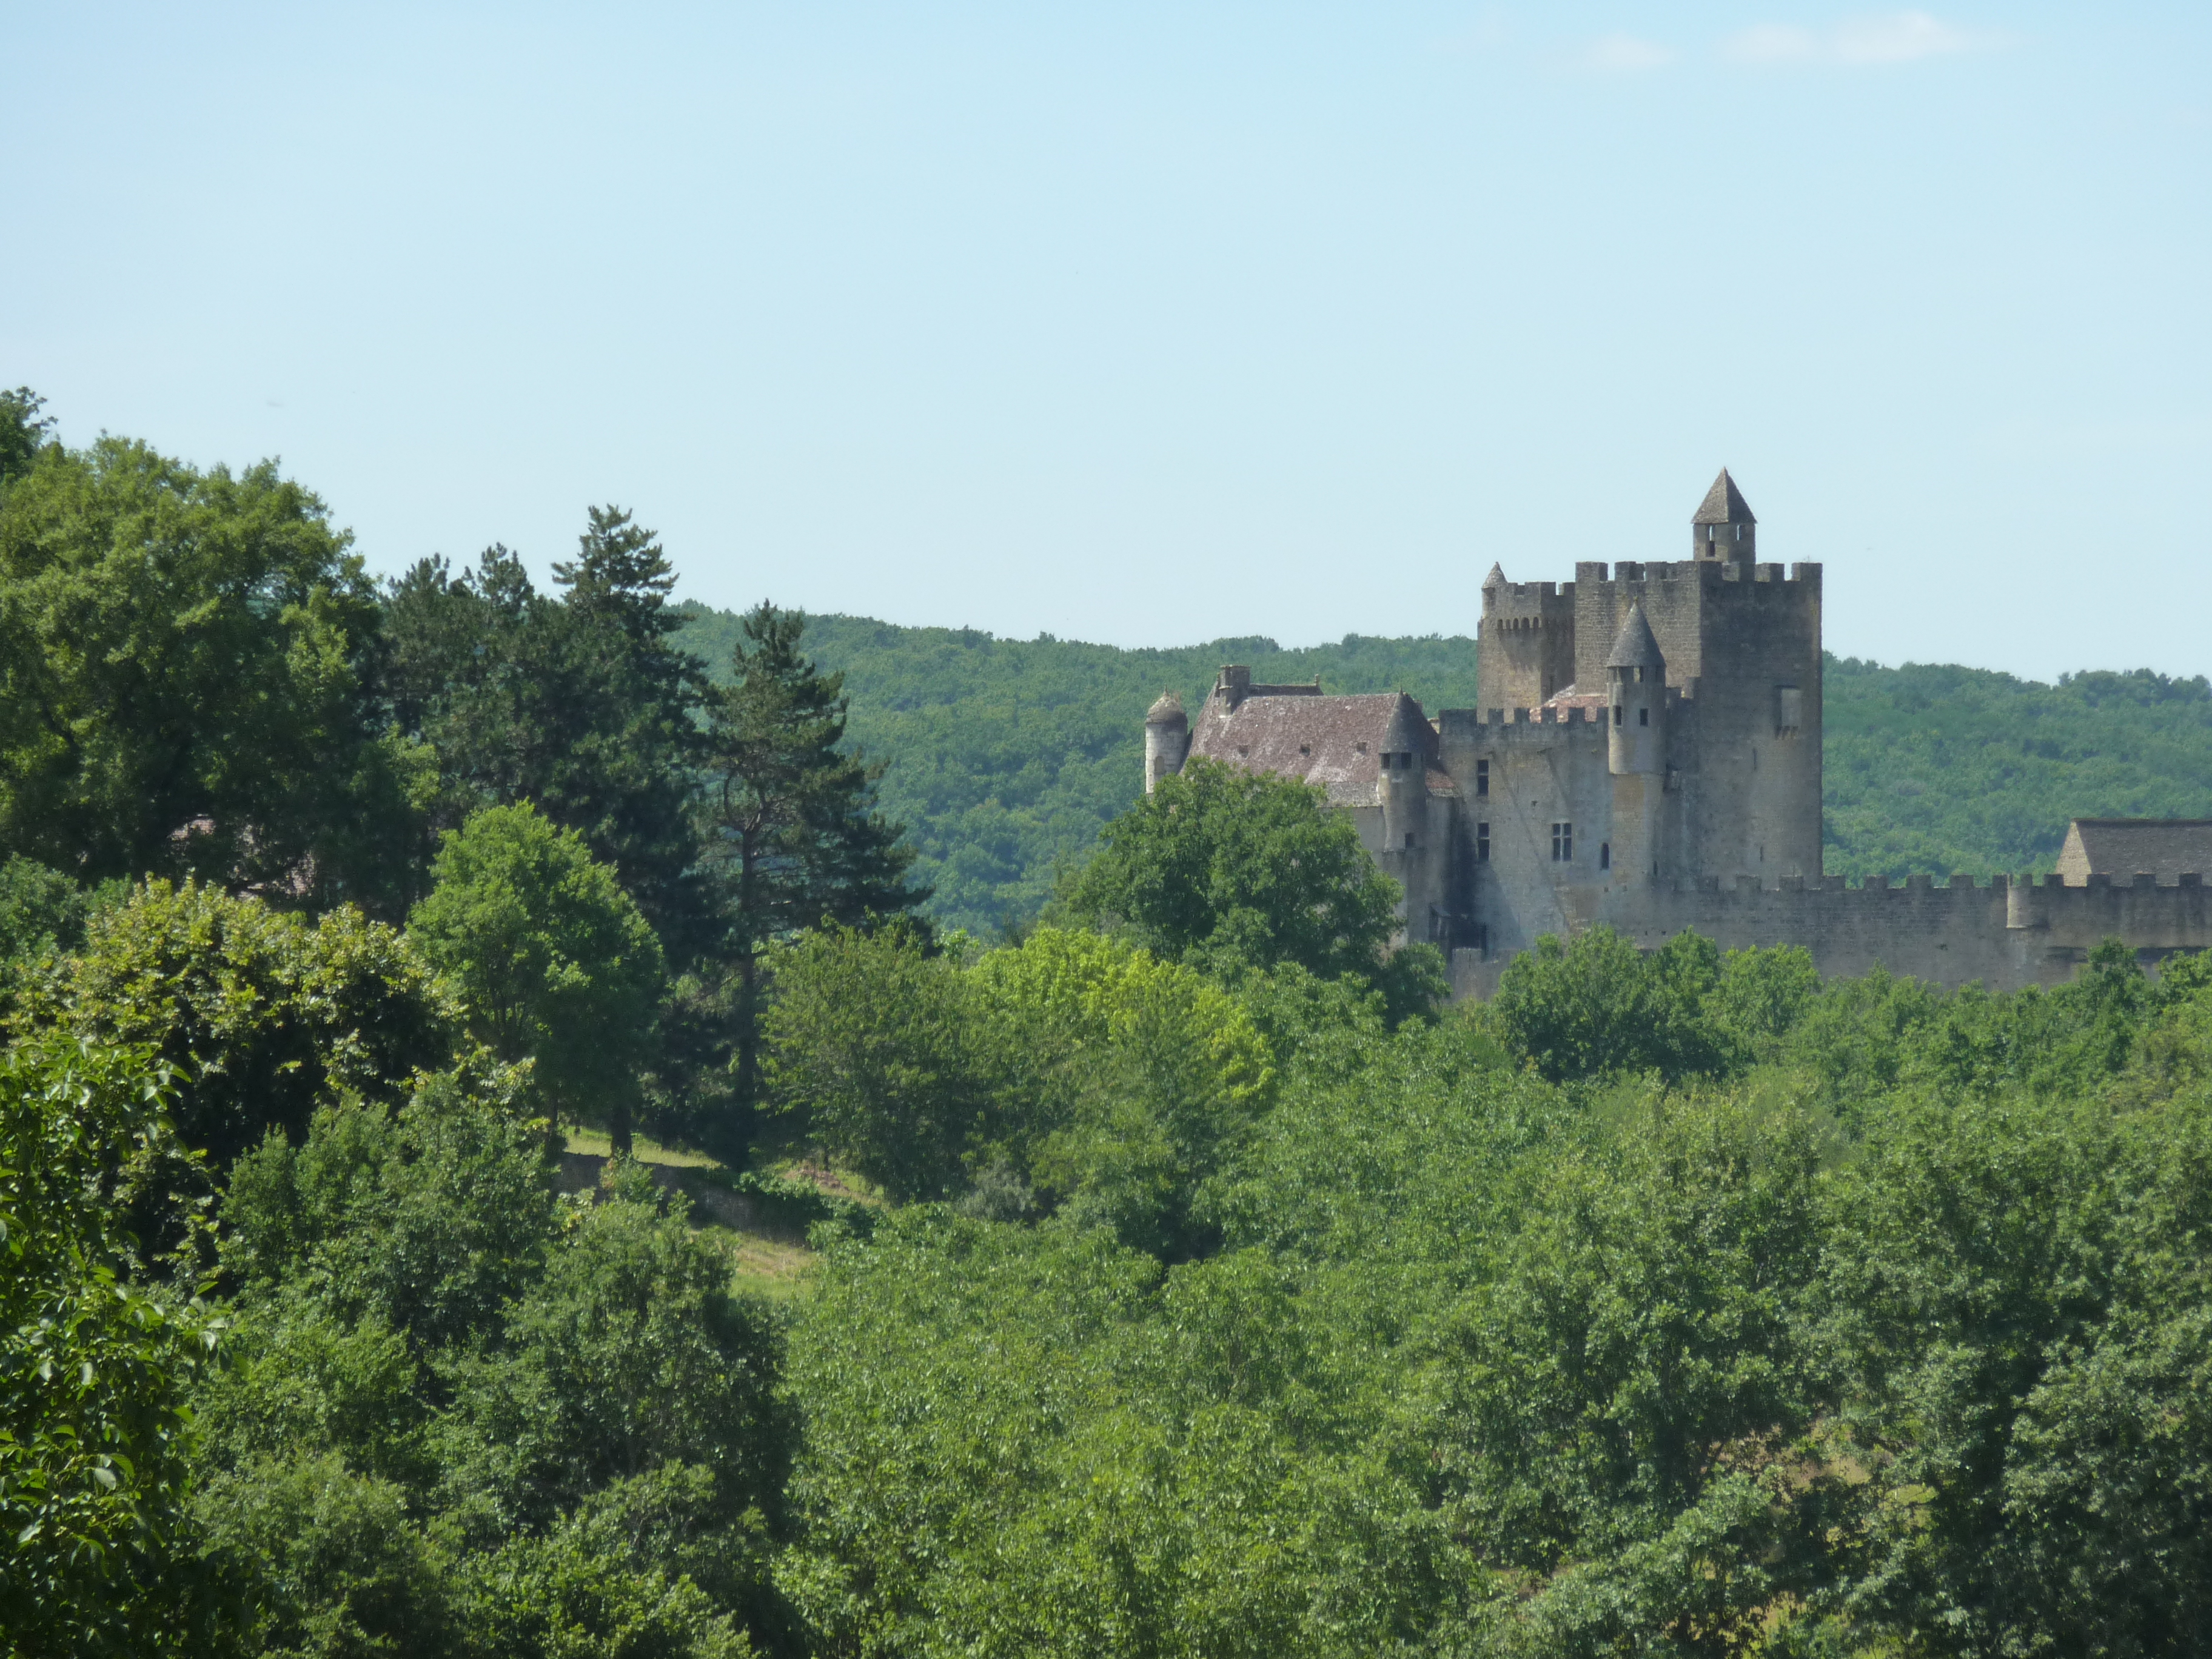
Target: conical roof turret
point(1167, 710)
point(1635, 646)
point(1408, 732)
point(1495, 579)
point(1724, 504)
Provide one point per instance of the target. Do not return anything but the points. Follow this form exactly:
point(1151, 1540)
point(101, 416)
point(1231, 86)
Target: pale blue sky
point(1152, 323)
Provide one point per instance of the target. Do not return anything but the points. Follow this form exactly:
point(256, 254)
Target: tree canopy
point(554, 962)
point(186, 661)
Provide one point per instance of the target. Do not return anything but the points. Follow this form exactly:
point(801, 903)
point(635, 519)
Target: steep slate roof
point(2124, 848)
point(1724, 504)
point(1332, 742)
point(1634, 646)
point(1408, 732)
point(1495, 579)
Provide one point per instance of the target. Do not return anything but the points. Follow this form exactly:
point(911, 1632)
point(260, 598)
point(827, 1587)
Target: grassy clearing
point(767, 1266)
point(759, 1265)
point(643, 1148)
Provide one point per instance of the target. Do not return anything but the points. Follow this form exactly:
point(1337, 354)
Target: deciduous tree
point(555, 962)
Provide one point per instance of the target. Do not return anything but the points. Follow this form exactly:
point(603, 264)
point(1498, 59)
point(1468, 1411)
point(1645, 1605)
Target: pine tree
point(794, 837)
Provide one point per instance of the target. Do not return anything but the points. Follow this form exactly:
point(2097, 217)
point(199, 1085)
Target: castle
point(1648, 757)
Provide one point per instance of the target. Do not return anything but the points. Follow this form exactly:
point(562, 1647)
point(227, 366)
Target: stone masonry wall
point(2006, 934)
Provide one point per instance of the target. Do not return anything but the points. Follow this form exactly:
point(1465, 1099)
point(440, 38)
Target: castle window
point(1616, 714)
point(1643, 717)
point(1605, 855)
point(1482, 844)
point(1563, 843)
point(1409, 841)
point(1482, 780)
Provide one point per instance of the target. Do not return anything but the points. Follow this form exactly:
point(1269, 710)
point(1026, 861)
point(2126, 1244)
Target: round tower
point(1724, 530)
point(1401, 782)
point(1167, 739)
point(1636, 687)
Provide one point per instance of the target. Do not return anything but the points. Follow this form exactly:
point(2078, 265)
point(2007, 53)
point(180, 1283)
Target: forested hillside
point(1003, 757)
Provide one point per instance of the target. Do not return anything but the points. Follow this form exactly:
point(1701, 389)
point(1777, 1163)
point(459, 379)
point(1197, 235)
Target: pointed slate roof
point(1634, 646)
point(1166, 712)
point(1408, 732)
point(1495, 579)
point(1724, 504)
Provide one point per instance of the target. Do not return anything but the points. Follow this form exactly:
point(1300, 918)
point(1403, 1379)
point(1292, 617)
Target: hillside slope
point(1003, 757)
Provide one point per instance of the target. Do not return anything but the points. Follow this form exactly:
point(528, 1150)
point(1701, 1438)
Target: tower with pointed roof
point(1723, 529)
point(1636, 689)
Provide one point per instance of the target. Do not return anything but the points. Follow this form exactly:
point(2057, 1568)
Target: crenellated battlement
point(1541, 725)
point(1634, 572)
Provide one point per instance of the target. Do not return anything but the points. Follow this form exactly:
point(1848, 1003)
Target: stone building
point(1647, 756)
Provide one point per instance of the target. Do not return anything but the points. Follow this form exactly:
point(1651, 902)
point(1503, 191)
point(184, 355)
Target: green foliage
point(22, 430)
point(1072, 1075)
point(42, 911)
point(1125, 1084)
point(554, 961)
point(2020, 1315)
point(467, 1417)
point(1139, 1462)
point(427, 1223)
point(339, 1565)
point(625, 1355)
point(1229, 868)
point(792, 821)
point(581, 705)
point(1598, 1007)
point(95, 1439)
point(872, 1041)
point(262, 1013)
point(185, 658)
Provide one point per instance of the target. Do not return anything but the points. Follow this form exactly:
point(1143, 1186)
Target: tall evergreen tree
point(579, 704)
point(794, 837)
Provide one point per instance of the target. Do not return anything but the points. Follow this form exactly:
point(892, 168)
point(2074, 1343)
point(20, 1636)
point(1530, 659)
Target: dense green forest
point(1004, 757)
point(498, 1158)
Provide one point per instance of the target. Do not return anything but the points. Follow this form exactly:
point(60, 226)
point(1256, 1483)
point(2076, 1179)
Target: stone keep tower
point(1741, 645)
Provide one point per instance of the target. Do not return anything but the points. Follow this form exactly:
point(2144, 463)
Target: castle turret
point(1401, 781)
point(1167, 739)
point(1635, 688)
point(1724, 528)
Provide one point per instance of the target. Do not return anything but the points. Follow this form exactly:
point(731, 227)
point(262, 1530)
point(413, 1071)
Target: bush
point(262, 1014)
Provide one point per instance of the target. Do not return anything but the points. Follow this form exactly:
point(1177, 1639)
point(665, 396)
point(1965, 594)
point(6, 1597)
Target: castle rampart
point(2007, 933)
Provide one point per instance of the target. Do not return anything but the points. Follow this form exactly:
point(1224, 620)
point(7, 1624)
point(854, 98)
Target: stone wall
point(2005, 933)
